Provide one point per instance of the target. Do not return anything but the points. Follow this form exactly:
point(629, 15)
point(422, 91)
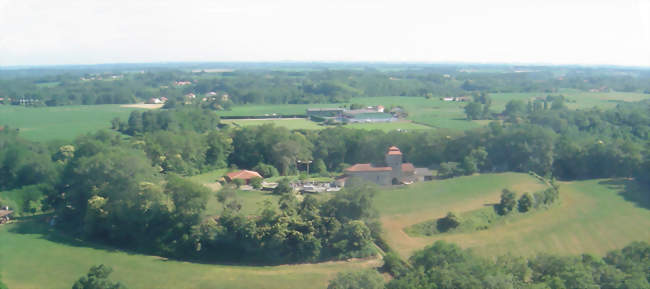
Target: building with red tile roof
point(394, 172)
point(245, 175)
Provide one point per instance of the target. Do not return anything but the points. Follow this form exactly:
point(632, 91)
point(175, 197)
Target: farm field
point(433, 113)
point(40, 259)
point(593, 216)
point(60, 122)
point(67, 122)
point(578, 99)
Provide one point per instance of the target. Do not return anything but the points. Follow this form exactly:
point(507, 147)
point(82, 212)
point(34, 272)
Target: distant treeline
point(263, 85)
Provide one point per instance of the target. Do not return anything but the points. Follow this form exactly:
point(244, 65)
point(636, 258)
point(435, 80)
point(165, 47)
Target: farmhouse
point(395, 172)
point(245, 175)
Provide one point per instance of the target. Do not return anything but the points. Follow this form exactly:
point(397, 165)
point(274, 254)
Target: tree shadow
point(39, 225)
point(630, 190)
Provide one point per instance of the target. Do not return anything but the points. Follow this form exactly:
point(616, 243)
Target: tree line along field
point(34, 256)
point(66, 122)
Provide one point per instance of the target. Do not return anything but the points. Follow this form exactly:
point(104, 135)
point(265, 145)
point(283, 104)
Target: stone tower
point(394, 160)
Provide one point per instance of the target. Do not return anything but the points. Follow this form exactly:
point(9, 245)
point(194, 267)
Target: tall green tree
point(365, 279)
point(97, 278)
point(508, 202)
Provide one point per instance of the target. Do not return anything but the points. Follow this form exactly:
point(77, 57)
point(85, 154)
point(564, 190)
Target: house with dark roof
point(394, 172)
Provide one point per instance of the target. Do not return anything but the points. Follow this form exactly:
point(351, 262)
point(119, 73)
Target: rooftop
point(367, 168)
point(243, 174)
point(408, 167)
point(394, 151)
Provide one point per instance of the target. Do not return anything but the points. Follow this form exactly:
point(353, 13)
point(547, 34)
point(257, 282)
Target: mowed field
point(31, 257)
point(577, 99)
point(60, 122)
point(592, 216)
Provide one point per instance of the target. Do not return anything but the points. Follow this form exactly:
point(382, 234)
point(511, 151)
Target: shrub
point(526, 202)
point(451, 221)
point(266, 171)
point(508, 202)
point(97, 278)
point(239, 182)
point(394, 265)
point(256, 183)
point(366, 279)
point(283, 187)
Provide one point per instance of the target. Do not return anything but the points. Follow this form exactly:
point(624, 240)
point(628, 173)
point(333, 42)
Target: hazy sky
point(36, 32)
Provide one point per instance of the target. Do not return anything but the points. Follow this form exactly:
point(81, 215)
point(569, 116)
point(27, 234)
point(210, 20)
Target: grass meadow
point(33, 256)
point(60, 122)
point(593, 216)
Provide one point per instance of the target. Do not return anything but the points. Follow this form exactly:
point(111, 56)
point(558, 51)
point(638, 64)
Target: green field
point(33, 257)
point(67, 122)
point(60, 122)
point(592, 217)
point(577, 99)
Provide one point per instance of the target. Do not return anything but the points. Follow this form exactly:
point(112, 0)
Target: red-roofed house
point(245, 175)
point(395, 172)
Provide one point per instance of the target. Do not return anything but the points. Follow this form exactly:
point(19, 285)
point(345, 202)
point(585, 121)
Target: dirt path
point(404, 244)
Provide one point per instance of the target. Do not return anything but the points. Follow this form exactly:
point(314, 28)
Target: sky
point(614, 32)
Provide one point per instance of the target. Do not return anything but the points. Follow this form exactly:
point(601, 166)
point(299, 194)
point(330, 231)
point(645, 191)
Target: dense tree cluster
point(445, 265)
point(307, 230)
point(23, 162)
point(97, 278)
point(176, 120)
point(112, 190)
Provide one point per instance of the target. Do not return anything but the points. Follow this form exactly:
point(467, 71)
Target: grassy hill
point(593, 216)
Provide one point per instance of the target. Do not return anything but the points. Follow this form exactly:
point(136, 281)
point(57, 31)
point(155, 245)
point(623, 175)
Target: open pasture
point(60, 122)
point(576, 99)
point(33, 256)
point(593, 216)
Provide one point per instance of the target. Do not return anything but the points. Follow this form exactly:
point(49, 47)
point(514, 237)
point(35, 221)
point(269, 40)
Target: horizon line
point(377, 62)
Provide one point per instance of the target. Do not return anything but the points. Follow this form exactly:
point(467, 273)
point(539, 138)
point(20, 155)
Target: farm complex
point(394, 172)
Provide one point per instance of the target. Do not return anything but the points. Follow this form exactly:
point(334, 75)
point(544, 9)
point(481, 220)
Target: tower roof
point(394, 151)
